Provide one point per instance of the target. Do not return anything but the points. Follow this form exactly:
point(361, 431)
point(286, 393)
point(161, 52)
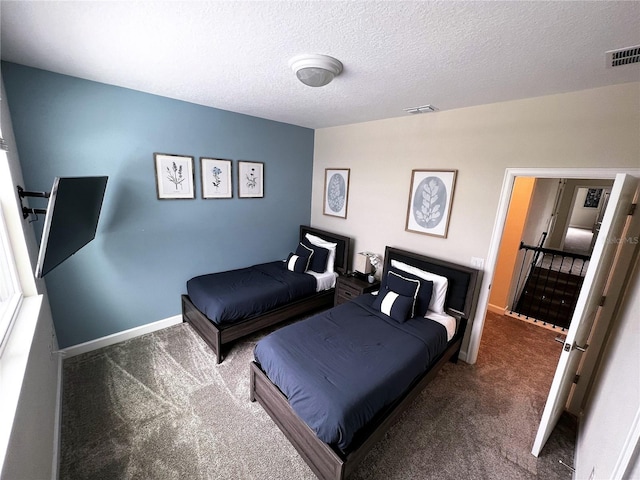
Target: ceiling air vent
point(624, 56)
point(422, 109)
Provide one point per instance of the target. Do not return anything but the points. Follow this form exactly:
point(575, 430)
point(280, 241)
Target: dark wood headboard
point(343, 249)
point(463, 281)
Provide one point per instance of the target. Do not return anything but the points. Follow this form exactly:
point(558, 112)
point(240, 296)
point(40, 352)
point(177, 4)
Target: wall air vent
point(623, 56)
point(422, 109)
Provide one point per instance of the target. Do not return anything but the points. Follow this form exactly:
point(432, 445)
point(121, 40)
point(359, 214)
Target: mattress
point(341, 367)
point(234, 295)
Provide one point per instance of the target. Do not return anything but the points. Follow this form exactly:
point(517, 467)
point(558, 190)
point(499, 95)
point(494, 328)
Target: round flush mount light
point(315, 70)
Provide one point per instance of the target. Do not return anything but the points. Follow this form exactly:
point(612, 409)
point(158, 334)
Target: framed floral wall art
point(336, 191)
point(216, 178)
point(250, 179)
point(430, 200)
point(174, 176)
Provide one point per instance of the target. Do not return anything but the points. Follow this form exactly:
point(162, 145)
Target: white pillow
point(324, 244)
point(440, 284)
point(447, 321)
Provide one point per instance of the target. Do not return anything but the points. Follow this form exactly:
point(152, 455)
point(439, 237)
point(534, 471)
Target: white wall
point(615, 403)
point(588, 129)
point(581, 216)
point(593, 128)
point(33, 445)
point(541, 209)
point(29, 370)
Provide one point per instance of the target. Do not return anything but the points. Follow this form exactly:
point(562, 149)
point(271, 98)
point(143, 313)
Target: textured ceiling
point(233, 55)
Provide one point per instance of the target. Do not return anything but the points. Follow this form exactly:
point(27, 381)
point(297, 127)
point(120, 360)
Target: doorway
point(523, 288)
point(548, 236)
point(508, 185)
point(470, 353)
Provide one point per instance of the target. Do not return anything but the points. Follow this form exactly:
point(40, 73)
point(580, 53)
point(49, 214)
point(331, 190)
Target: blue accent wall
point(145, 249)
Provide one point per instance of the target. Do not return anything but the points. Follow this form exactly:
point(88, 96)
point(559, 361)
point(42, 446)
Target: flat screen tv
point(71, 220)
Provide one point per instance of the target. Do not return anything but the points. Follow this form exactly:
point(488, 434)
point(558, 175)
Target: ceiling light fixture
point(315, 70)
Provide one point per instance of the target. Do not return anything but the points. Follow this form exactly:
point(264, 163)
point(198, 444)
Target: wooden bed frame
point(217, 336)
point(329, 462)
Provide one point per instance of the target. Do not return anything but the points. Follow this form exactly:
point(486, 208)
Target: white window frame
point(10, 288)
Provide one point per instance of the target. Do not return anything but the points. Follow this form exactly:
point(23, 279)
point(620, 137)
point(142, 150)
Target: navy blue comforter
point(234, 295)
point(339, 368)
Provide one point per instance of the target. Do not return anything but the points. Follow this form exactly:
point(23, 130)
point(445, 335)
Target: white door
point(598, 222)
point(587, 305)
point(600, 330)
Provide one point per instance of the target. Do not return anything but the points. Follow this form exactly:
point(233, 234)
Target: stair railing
point(548, 289)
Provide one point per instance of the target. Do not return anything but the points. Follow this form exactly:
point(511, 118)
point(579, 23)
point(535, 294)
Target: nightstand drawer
point(348, 293)
point(348, 288)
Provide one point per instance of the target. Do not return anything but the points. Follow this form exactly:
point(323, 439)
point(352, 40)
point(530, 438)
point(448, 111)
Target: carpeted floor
point(157, 407)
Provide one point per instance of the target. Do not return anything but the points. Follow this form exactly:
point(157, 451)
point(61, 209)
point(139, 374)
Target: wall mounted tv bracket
point(26, 211)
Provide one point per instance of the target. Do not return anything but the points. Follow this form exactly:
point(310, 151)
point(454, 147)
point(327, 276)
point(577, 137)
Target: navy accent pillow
point(394, 305)
point(404, 286)
point(319, 257)
point(424, 294)
point(297, 263)
point(304, 251)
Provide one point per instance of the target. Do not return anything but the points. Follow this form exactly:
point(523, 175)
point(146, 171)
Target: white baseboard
point(119, 337)
point(496, 309)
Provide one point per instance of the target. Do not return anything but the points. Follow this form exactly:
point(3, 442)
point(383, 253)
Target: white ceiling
point(234, 55)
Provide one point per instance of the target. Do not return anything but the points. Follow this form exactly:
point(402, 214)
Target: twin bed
point(335, 382)
point(223, 307)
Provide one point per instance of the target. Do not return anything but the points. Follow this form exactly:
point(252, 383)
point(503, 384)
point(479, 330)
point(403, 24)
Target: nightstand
point(347, 288)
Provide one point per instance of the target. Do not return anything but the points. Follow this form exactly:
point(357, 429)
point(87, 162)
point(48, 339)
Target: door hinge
point(579, 348)
point(632, 209)
point(576, 378)
point(602, 300)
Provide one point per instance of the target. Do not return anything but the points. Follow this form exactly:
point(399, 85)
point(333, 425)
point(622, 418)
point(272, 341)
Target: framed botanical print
point(336, 191)
point(250, 179)
point(592, 199)
point(216, 178)
point(174, 176)
point(430, 200)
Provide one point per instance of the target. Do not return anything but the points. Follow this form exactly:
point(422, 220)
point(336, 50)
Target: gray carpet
point(157, 407)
